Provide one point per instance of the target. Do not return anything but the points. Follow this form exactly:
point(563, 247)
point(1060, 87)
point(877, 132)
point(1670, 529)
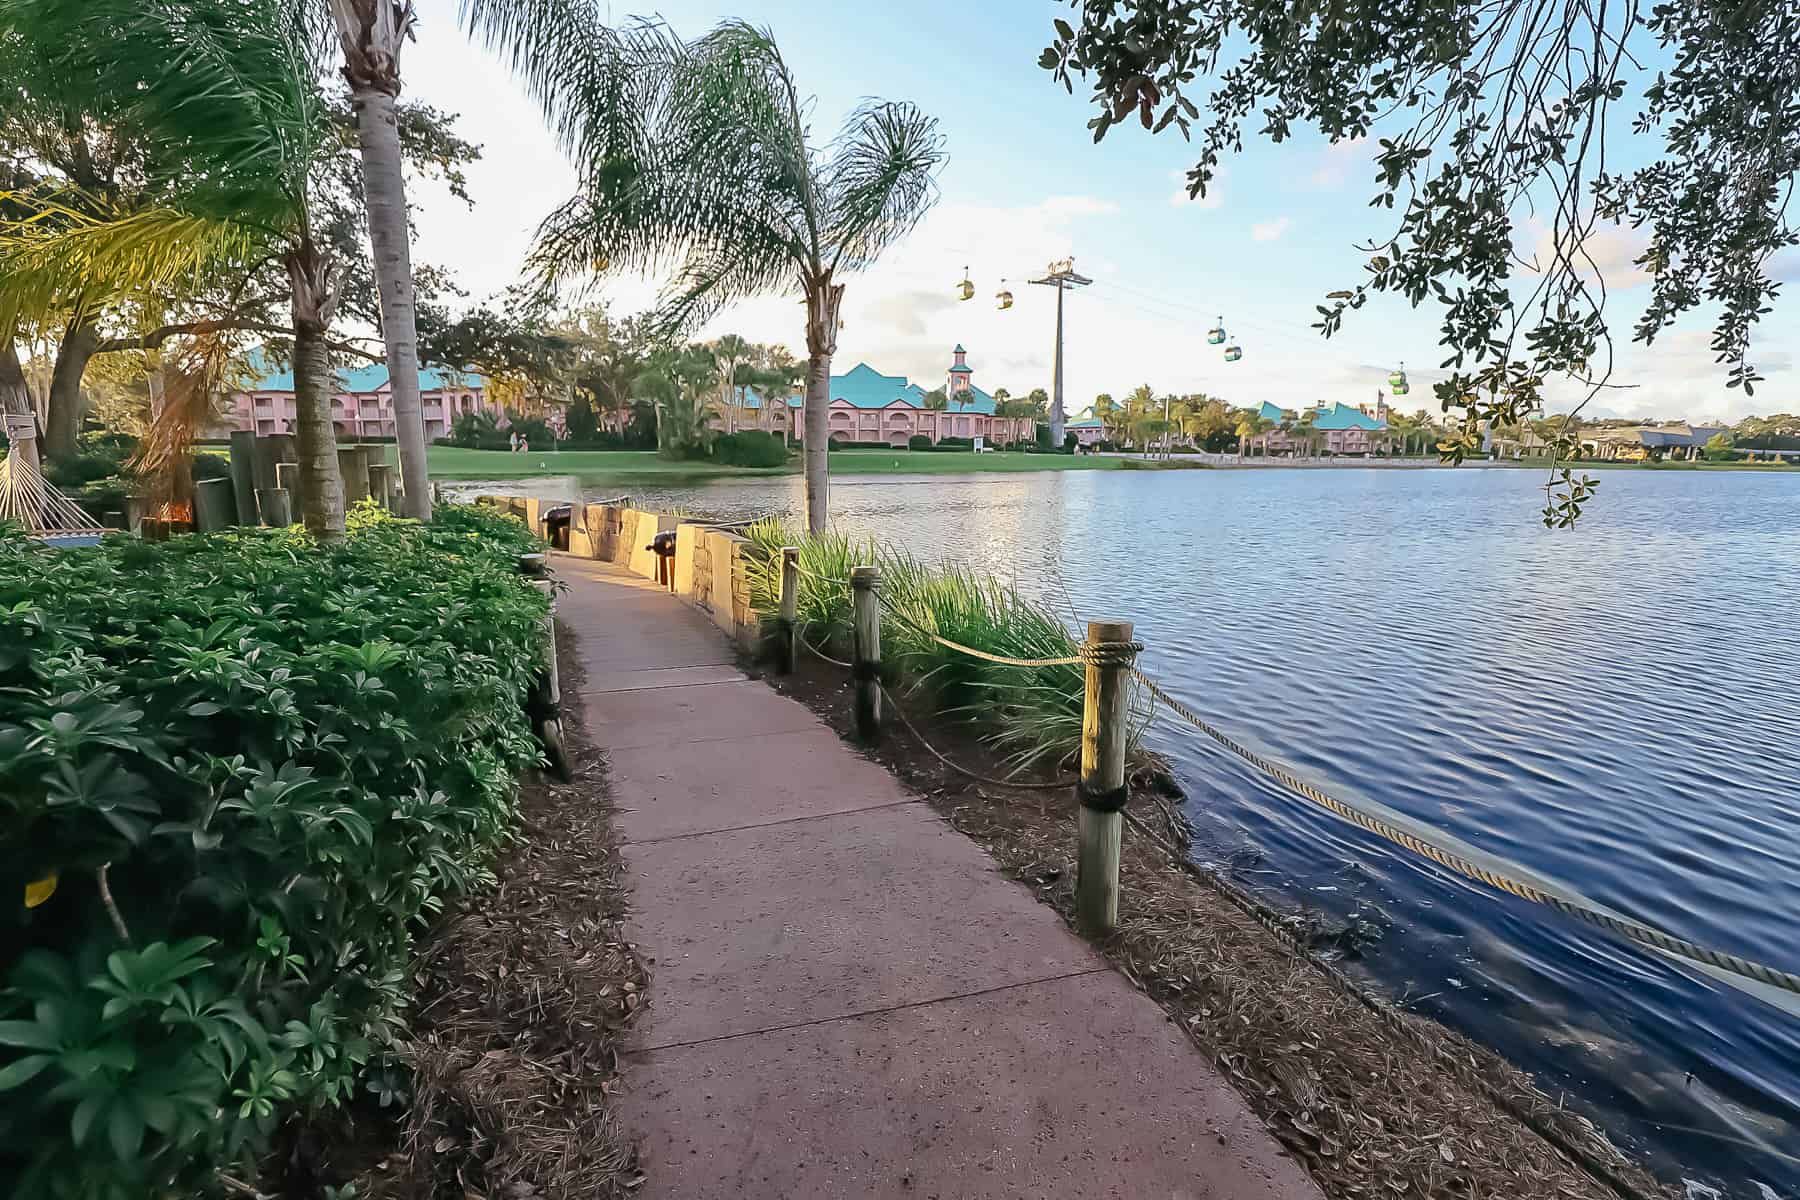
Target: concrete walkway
point(847, 999)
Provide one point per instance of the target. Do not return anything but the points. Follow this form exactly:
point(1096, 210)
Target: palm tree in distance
point(372, 33)
point(734, 355)
point(699, 154)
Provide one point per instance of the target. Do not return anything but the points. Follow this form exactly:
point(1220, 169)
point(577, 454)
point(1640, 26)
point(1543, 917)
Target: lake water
point(1615, 706)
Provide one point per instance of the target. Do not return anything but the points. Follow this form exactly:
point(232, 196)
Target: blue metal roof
point(1338, 416)
point(371, 377)
point(1342, 416)
point(866, 388)
point(1089, 423)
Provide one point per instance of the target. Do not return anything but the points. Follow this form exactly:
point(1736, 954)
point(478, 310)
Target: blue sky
point(1025, 184)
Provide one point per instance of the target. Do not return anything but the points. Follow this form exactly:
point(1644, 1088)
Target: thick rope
point(818, 578)
point(1053, 785)
point(1003, 660)
point(1621, 926)
point(818, 653)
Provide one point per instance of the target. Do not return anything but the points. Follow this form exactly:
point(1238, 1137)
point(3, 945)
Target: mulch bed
point(1375, 1102)
point(525, 996)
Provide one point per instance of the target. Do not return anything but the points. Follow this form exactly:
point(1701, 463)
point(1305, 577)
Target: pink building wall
point(360, 414)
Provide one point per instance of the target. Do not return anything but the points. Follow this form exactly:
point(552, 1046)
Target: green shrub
point(1033, 714)
point(72, 471)
point(237, 774)
point(750, 448)
point(918, 441)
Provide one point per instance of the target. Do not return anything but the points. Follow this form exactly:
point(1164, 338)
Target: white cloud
point(1215, 191)
point(1608, 255)
point(1269, 231)
point(1335, 161)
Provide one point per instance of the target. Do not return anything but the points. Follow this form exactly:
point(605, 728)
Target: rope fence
point(1636, 931)
point(1769, 984)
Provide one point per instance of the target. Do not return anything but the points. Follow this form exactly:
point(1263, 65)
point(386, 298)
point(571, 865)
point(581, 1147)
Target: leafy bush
point(237, 772)
point(918, 441)
point(72, 471)
point(750, 448)
point(1033, 714)
point(471, 428)
point(956, 443)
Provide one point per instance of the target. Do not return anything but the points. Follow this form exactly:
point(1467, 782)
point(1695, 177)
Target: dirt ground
point(1375, 1102)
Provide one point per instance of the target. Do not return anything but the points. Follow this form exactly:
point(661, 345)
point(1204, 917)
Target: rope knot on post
point(1109, 654)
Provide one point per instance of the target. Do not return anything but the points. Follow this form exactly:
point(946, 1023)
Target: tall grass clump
point(1031, 714)
point(238, 772)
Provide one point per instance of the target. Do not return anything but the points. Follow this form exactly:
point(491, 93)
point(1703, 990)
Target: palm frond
point(230, 87)
point(694, 158)
point(590, 79)
point(56, 255)
point(879, 180)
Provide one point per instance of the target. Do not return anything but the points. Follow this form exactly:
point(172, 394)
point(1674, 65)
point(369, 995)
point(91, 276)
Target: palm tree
point(372, 33)
point(680, 384)
point(734, 355)
point(231, 87)
point(699, 153)
point(1251, 425)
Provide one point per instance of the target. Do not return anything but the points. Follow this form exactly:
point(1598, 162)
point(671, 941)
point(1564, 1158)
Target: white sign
point(979, 447)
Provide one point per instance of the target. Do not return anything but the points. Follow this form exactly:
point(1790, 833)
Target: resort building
point(1338, 429)
point(1638, 442)
point(362, 403)
point(867, 406)
point(1088, 431)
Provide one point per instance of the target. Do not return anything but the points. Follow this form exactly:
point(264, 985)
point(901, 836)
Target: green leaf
point(27, 1068)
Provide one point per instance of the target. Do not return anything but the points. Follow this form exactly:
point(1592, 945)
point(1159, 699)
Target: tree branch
point(156, 337)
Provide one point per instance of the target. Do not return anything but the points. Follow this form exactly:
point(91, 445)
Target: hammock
point(27, 499)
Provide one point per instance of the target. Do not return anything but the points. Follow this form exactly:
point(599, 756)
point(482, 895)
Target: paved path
point(847, 999)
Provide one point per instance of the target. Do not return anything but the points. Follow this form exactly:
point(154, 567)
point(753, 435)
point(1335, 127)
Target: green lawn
point(450, 462)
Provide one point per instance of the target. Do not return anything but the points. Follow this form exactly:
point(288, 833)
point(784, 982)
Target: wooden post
point(865, 662)
point(381, 484)
point(243, 475)
point(276, 506)
point(215, 507)
point(1109, 654)
point(790, 609)
point(353, 469)
point(287, 479)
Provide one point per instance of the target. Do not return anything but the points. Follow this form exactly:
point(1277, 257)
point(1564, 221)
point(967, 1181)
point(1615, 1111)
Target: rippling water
point(1616, 706)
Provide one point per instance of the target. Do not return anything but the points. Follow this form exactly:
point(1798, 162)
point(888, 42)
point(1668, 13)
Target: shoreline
point(640, 467)
point(1364, 1094)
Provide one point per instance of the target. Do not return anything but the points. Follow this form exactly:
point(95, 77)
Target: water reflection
point(1615, 706)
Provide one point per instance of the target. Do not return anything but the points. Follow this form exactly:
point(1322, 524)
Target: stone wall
point(711, 567)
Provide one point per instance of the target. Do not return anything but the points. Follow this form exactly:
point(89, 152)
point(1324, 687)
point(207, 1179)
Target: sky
point(1025, 184)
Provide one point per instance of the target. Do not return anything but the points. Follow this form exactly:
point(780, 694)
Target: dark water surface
point(1616, 707)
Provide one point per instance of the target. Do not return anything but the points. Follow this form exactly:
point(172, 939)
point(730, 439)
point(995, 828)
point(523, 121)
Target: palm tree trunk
point(15, 398)
point(314, 299)
point(384, 186)
point(823, 299)
point(64, 421)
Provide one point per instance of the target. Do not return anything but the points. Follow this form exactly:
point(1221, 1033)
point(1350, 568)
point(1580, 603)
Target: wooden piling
point(353, 469)
point(243, 475)
point(215, 506)
point(287, 479)
point(381, 484)
point(790, 609)
point(276, 506)
point(865, 662)
point(1109, 654)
